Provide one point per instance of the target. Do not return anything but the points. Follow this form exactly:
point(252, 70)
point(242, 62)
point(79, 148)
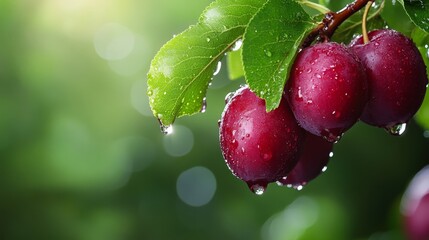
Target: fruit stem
point(332, 20)
point(315, 6)
point(364, 20)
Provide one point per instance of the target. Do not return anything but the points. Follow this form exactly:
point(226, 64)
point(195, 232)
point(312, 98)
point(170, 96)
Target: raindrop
point(299, 188)
point(268, 53)
point(228, 97)
point(237, 45)
point(324, 169)
point(397, 130)
point(166, 129)
point(331, 154)
point(218, 68)
point(257, 189)
point(204, 107)
point(330, 137)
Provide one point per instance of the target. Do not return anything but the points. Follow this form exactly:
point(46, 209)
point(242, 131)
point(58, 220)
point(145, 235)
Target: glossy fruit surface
point(327, 89)
point(313, 158)
point(415, 207)
point(258, 147)
point(396, 77)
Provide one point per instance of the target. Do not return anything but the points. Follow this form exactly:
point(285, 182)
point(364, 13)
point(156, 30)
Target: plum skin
point(258, 147)
point(396, 77)
point(415, 207)
point(327, 89)
point(313, 157)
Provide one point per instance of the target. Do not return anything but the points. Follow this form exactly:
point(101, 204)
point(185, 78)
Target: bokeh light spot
point(114, 41)
point(180, 142)
point(196, 186)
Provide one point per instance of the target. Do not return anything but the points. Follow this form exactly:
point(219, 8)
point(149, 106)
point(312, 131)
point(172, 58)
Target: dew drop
point(397, 130)
point(257, 189)
point(299, 93)
point(325, 168)
point(218, 68)
point(267, 156)
point(237, 45)
point(204, 107)
point(208, 39)
point(330, 137)
point(299, 187)
point(331, 154)
point(228, 97)
point(268, 53)
point(166, 129)
point(150, 93)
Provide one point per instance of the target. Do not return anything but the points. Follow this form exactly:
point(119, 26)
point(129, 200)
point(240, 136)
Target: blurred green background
point(81, 156)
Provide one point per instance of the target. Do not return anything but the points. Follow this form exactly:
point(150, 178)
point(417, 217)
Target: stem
point(373, 15)
point(315, 6)
point(332, 21)
point(364, 20)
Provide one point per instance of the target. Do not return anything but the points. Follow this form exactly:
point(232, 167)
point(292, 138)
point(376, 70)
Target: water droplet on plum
point(258, 189)
point(397, 130)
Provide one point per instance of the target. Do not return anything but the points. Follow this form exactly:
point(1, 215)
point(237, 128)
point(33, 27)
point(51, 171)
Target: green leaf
point(235, 64)
point(270, 45)
point(418, 10)
point(183, 68)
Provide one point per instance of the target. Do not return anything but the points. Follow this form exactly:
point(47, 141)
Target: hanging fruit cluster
point(332, 86)
point(303, 90)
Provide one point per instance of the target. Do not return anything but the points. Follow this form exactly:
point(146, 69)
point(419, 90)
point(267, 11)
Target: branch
point(332, 21)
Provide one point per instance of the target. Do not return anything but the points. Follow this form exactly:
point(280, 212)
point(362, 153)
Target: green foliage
point(182, 70)
point(418, 12)
point(271, 33)
point(270, 45)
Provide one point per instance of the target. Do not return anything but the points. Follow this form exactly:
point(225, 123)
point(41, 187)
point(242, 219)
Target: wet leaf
point(418, 10)
point(270, 45)
point(183, 68)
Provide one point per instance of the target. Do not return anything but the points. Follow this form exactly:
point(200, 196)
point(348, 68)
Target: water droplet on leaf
point(268, 53)
point(237, 45)
point(204, 107)
point(218, 68)
point(167, 129)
